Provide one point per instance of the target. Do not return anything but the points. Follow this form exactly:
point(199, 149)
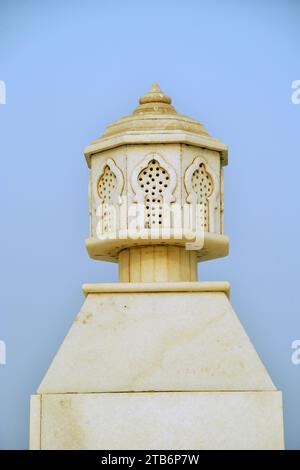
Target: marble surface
point(35, 422)
point(163, 341)
point(171, 420)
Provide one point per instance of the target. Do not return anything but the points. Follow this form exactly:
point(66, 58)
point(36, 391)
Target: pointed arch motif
point(108, 188)
point(202, 186)
point(153, 181)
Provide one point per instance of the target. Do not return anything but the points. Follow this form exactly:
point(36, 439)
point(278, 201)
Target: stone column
point(157, 264)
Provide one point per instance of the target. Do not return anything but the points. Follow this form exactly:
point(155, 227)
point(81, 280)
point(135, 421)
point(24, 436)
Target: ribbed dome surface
point(154, 113)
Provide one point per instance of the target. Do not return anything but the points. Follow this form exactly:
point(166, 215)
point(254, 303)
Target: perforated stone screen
point(153, 180)
point(202, 185)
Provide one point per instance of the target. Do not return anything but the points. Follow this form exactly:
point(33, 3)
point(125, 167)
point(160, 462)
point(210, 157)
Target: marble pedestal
point(156, 366)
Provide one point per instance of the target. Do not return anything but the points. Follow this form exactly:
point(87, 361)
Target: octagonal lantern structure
point(156, 192)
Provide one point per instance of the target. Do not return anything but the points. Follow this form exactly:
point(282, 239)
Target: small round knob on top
point(155, 101)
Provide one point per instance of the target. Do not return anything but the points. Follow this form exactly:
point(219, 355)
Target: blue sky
point(70, 68)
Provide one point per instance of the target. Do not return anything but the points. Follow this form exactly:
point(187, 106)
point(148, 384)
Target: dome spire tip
point(155, 95)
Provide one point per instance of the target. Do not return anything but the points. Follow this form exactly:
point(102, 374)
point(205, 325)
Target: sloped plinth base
point(157, 366)
point(159, 340)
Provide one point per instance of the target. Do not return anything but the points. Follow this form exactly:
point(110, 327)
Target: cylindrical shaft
point(157, 264)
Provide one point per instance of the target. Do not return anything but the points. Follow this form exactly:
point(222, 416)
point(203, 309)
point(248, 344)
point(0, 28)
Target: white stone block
point(170, 420)
point(35, 422)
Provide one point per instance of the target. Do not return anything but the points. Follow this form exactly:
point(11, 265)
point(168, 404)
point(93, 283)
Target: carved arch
point(108, 187)
point(153, 181)
point(202, 186)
